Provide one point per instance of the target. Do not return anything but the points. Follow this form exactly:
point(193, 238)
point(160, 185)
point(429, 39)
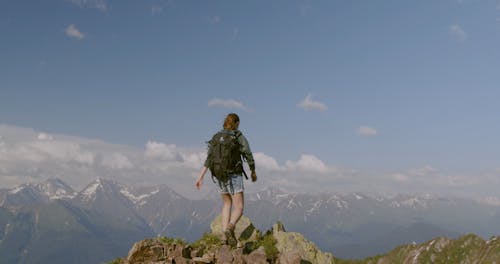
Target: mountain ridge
point(341, 223)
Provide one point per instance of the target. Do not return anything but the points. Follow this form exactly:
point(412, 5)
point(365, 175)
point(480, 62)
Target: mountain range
point(51, 221)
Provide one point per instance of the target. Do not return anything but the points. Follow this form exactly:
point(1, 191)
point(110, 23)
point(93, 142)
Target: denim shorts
point(232, 186)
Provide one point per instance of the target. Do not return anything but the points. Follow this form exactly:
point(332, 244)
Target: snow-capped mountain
point(55, 189)
point(349, 224)
point(35, 193)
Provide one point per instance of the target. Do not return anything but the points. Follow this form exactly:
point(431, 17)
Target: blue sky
point(387, 87)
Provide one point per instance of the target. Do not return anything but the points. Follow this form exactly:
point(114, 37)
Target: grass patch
point(169, 240)
point(116, 261)
point(208, 240)
point(269, 243)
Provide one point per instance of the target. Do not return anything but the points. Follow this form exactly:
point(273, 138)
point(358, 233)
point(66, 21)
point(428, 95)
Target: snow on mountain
point(22, 195)
point(36, 193)
point(17, 189)
point(137, 197)
point(100, 190)
point(55, 189)
point(89, 193)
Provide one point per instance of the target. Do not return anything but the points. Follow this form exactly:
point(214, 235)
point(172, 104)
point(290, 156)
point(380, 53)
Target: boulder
point(244, 231)
point(154, 250)
point(224, 255)
point(257, 256)
point(292, 244)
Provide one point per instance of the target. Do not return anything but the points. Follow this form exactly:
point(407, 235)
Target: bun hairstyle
point(231, 122)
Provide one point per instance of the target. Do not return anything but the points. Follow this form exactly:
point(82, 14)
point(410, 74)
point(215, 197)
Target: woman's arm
point(199, 182)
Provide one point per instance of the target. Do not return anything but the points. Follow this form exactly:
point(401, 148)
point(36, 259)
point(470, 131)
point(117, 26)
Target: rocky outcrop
point(275, 246)
point(294, 248)
point(244, 230)
point(158, 251)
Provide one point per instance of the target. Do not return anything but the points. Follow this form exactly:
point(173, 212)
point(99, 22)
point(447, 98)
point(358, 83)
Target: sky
point(383, 96)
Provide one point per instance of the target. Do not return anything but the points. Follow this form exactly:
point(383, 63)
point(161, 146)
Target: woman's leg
point(238, 203)
point(226, 210)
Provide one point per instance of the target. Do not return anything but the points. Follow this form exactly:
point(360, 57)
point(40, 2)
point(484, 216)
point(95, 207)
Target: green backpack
point(225, 157)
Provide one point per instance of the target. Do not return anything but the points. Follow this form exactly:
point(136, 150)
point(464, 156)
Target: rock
point(154, 250)
point(290, 258)
point(224, 255)
point(244, 231)
point(238, 256)
point(294, 243)
point(278, 227)
point(258, 256)
point(146, 250)
point(282, 248)
point(207, 258)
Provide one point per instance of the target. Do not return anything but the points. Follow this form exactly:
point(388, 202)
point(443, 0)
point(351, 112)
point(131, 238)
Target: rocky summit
point(274, 246)
point(277, 246)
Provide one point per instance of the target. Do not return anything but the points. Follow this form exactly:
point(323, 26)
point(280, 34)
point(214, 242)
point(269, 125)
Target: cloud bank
point(30, 156)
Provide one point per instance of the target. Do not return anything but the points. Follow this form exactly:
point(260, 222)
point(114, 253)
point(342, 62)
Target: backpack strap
point(237, 134)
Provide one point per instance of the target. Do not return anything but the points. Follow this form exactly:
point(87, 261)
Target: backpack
point(225, 157)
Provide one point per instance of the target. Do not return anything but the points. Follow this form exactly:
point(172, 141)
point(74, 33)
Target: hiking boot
point(229, 233)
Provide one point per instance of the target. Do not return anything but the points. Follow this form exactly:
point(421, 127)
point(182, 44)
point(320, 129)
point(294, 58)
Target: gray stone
point(291, 242)
point(258, 256)
point(244, 231)
point(224, 255)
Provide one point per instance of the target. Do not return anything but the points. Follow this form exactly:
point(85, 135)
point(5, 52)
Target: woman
point(231, 190)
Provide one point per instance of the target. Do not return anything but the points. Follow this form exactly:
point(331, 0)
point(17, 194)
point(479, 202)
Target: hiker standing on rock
point(225, 150)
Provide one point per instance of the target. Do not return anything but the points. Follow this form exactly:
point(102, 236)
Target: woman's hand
point(254, 176)
point(199, 182)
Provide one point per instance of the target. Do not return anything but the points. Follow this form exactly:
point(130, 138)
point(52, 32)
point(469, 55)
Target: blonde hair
point(231, 122)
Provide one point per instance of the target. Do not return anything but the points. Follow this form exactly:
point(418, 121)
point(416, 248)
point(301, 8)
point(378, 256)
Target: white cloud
point(266, 162)
point(427, 170)
point(167, 152)
point(418, 176)
point(228, 103)
point(491, 200)
point(458, 33)
point(307, 163)
point(367, 131)
point(64, 151)
point(47, 150)
point(73, 32)
point(44, 136)
point(399, 177)
point(117, 161)
point(309, 104)
point(27, 155)
point(193, 160)
point(97, 4)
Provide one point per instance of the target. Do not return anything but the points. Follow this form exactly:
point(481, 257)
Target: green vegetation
point(169, 240)
point(208, 240)
point(116, 261)
point(269, 243)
